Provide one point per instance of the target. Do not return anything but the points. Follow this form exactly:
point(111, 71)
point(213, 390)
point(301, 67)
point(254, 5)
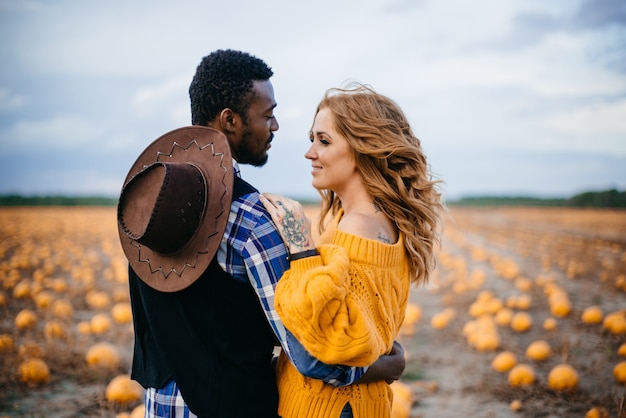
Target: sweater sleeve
point(313, 302)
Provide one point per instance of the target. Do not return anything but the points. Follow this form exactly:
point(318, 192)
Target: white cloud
point(498, 75)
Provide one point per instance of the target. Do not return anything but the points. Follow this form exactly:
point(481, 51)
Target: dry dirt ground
point(582, 251)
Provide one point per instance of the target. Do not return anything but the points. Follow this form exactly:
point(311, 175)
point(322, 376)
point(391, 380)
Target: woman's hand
point(292, 224)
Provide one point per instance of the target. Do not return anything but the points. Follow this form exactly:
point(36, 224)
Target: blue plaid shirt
point(253, 250)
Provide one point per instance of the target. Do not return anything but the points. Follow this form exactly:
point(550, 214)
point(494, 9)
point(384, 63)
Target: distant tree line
point(18, 200)
point(601, 199)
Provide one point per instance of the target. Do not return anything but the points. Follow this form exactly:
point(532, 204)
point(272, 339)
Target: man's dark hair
point(224, 80)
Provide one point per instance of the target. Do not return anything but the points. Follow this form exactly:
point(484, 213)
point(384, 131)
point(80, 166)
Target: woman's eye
point(321, 140)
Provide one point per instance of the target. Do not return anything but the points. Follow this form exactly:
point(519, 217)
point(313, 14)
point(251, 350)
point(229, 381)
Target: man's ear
point(228, 120)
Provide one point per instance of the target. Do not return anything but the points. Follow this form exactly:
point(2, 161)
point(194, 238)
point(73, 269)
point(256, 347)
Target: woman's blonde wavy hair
point(390, 159)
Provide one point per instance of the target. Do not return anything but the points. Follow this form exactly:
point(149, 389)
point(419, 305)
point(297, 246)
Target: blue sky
point(513, 97)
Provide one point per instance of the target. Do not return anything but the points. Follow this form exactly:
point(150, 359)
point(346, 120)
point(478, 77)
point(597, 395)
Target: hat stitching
point(206, 241)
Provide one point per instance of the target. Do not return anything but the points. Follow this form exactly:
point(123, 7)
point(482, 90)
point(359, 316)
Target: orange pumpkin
point(34, 371)
point(25, 319)
point(592, 315)
point(6, 343)
point(521, 322)
point(562, 377)
point(550, 324)
point(521, 375)
point(104, 355)
point(619, 372)
point(122, 313)
point(538, 350)
point(504, 361)
point(122, 389)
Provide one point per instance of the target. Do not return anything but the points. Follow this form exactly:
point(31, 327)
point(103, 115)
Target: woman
point(345, 298)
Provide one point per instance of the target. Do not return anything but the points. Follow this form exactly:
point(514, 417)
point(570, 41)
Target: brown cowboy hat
point(174, 206)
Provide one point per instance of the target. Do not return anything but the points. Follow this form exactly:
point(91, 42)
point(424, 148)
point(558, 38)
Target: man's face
point(258, 132)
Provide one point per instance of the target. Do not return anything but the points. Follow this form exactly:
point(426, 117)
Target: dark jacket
point(212, 338)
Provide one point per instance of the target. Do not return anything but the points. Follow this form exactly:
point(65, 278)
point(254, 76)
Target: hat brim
point(208, 149)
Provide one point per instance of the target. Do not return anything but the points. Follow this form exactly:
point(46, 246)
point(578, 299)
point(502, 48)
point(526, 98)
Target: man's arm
point(388, 367)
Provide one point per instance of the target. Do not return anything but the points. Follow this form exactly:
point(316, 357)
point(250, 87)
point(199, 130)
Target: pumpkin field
point(525, 316)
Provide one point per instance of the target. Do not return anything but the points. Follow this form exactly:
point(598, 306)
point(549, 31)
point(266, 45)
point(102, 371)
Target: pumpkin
point(560, 305)
point(521, 322)
point(516, 405)
point(615, 322)
point(138, 412)
point(84, 327)
point(562, 377)
point(484, 295)
point(619, 372)
point(538, 350)
point(413, 313)
point(442, 319)
point(621, 351)
point(477, 309)
point(43, 299)
point(62, 309)
point(120, 294)
point(504, 361)
point(122, 313)
point(597, 413)
point(523, 302)
point(511, 302)
point(122, 389)
point(494, 305)
point(22, 290)
point(592, 315)
point(486, 341)
point(100, 323)
point(97, 299)
point(34, 371)
point(58, 285)
point(6, 343)
point(402, 400)
point(550, 324)
point(521, 375)
point(54, 330)
point(104, 355)
point(504, 316)
point(30, 350)
point(482, 333)
point(523, 284)
point(25, 319)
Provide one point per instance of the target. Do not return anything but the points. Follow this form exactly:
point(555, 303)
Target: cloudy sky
point(513, 97)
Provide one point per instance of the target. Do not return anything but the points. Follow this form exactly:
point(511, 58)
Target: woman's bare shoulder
point(368, 226)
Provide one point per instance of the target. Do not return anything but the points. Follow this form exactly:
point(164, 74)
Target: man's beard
point(246, 156)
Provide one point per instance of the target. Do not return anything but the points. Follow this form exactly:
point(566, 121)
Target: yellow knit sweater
point(345, 306)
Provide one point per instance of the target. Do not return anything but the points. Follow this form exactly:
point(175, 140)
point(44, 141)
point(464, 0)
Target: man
point(203, 298)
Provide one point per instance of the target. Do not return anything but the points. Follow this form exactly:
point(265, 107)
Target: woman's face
point(332, 158)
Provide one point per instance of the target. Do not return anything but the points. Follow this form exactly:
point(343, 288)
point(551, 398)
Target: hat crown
point(174, 206)
point(163, 205)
